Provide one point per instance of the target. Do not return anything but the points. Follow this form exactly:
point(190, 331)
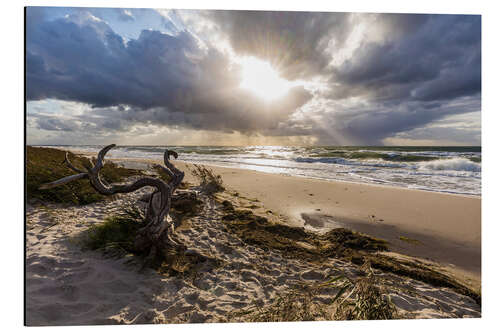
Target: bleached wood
point(156, 228)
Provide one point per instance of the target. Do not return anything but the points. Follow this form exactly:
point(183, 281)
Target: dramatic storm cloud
point(339, 78)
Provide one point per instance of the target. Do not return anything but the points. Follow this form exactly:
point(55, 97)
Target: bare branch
point(159, 201)
point(166, 170)
point(70, 165)
point(100, 157)
point(63, 181)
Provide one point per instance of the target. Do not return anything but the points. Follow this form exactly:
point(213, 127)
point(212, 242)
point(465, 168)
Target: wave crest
point(456, 164)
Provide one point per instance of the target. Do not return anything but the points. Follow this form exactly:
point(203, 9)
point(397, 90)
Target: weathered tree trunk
point(156, 234)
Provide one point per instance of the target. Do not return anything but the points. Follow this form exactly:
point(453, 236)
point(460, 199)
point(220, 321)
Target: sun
point(260, 78)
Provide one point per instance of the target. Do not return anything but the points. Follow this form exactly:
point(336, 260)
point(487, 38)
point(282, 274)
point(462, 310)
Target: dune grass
point(45, 165)
point(210, 183)
point(116, 232)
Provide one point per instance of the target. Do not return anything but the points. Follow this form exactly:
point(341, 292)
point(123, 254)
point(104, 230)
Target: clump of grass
point(45, 165)
point(116, 232)
point(116, 236)
point(210, 182)
point(365, 301)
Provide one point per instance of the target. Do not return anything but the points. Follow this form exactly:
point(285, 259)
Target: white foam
point(456, 164)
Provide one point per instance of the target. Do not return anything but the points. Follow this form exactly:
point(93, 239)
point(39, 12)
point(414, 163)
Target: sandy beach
point(437, 226)
point(89, 287)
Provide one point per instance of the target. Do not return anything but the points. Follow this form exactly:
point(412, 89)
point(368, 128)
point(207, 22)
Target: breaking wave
point(456, 164)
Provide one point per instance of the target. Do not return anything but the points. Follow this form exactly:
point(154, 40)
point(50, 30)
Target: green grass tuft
point(116, 232)
point(45, 165)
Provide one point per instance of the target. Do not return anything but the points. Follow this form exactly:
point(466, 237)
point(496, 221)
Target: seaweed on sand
point(359, 299)
point(338, 243)
point(296, 242)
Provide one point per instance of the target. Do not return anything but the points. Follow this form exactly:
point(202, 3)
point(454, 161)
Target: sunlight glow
point(261, 79)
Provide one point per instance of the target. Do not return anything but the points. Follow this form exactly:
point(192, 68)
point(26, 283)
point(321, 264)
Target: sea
point(440, 169)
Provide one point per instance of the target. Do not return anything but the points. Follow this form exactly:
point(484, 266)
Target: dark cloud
point(373, 123)
point(164, 79)
point(416, 64)
point(439, 60)
point(294, 42)
point(406, 72)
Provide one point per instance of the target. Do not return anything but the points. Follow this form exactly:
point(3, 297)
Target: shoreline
point(375, 183)
point(439, 227)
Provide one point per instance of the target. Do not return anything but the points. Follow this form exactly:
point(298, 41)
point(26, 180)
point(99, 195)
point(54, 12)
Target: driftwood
point(156, 235)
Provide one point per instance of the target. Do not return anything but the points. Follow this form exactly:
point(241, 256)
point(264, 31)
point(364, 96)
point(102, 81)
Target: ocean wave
point(329, 160)
point(442, 169)
point(456, 164)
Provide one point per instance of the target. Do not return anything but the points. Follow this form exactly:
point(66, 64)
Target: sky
point(187, 77)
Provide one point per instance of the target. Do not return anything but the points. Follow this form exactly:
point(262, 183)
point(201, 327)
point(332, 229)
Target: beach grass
point(116, 232)
point(209, 182)
point(45, 165)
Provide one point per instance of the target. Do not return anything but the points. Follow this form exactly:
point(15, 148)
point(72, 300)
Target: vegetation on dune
point(210, 183)
point(44, 165)
point(116, 232)
point(116, 235)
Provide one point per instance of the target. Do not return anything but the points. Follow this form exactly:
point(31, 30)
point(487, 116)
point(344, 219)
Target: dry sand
point(66, 285)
